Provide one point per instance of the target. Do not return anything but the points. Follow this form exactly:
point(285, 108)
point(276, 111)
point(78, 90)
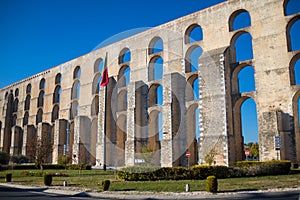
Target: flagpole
point(105, 108)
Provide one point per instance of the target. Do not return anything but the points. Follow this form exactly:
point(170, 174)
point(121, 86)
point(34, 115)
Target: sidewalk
point(79, 192)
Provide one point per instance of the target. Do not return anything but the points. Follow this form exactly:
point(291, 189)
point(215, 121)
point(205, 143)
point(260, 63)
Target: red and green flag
point(104, 80)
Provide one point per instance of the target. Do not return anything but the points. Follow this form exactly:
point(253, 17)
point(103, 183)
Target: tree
point(210, 157)
point(254, 150)
point(147, 155)
point(43, 149)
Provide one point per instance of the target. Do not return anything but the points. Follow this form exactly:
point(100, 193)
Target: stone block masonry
point(175, 94)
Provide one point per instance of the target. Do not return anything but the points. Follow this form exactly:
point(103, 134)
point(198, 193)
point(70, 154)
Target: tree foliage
point(43, 150)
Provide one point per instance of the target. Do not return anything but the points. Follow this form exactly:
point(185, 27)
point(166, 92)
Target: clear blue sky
point(37, 35)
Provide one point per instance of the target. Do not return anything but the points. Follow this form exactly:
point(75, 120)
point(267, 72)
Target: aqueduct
point(172, 88)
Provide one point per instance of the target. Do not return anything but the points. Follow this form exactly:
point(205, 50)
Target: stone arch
point(236, 81)
point(77, 73)
point(42, 84)
point(239, 19)
point(17, 92)
point(14, 120)
point(241, 47)
point(191, 134)
point(155, 46)
point(292, 43)
point(27, 102)
point(57, 94)
point(41, 99)
point(99, 65)
point(192, 88)
point(58, 79)
point(8, 123)
point(93, 142)
point(155, 69)
point(6, 95)
point(124, 56)
point(96, 83)
point(294, 68)
point(75, 90)
point(28, 89)
point(74, 109)
point(25, 119)
point(153, 95)
point(124, 76)
point(122, 101)
point(291, 7)
point(121, 137)
point(95, 106)
point(39, 116)
point(296, 112)
point(155, 135)
point(55, 113)
point(192, 56)
point(16, 104)
point(238, 129)
point(193, 33)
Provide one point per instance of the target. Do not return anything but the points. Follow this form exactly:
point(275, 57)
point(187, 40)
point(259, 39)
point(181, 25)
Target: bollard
point(65, 183)
point(187, 187)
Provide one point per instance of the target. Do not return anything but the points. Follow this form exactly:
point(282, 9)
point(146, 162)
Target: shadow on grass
point(125, 190)
point(242, 190)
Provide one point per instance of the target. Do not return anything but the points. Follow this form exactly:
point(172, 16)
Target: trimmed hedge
point(105, 185)
point(46, 166)
point(256, 168)
point(141, 173)
point(47, 179)
point(200, 172)
point(211, 184)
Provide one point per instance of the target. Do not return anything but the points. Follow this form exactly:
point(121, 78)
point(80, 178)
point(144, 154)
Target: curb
point(150, 195)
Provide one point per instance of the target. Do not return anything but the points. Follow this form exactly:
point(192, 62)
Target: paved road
point(32, 194)
point(14, 193)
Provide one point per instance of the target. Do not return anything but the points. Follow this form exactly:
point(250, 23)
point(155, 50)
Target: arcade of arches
point(182, 86)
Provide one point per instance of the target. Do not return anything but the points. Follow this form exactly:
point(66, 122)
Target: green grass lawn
point(91, 179)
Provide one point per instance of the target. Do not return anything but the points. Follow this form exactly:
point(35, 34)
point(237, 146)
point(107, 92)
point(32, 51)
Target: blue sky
point(37, 35)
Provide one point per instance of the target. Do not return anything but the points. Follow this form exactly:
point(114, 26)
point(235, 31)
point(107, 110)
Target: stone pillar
point(16, 141)
point(100, 146)
point(167, 140)
point(44, 134)
point(1, 138)
point(271, 124)
point(81, 144)
point(268, 129)
point(59, 139)
point(29, 142)
point(212, 107)
point(129, 144)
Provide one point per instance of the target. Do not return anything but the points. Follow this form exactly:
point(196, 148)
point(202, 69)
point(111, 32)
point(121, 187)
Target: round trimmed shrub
point(8, 177)
point(105, 185)
point(211, 184)
point(47, 179)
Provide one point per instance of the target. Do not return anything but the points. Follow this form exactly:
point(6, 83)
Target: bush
point(47, 179)
point(295, 165)
point(256, 168)
point(8, 177)
point(78, 166)
point(19, 159)
point(4, 158)
point(32, 173)
point(105, 185)
point(211, 184)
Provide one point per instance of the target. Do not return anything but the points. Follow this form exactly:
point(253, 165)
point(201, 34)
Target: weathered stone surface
point(114, 125)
